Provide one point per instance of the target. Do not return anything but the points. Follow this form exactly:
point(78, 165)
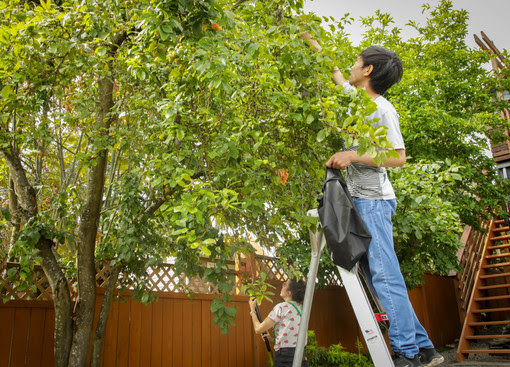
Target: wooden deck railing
point(470, 263)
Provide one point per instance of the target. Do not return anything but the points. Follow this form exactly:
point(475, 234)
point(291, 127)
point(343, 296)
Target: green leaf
point(322, 135)
point(230, 311)
point(11, 273)
point(6, 91)
point(101, 51)
point(252, 48)
point(6, 213)
point(216, 305)
point(205, 250)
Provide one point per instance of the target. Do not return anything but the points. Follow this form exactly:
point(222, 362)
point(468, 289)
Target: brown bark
point(23, 204)
point(62, 303)
point(25, 193)
point(15, 220)
point(87, 232)
point(89, 220)
point(97, 347)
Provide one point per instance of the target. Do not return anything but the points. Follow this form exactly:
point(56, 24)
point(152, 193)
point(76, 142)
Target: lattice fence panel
point(40, 289)
point(332, 278)
point(269, 266)
point(161, 279)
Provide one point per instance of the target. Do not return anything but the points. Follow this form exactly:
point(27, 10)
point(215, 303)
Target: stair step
point(488, 310)
point(498, 233)
point(491, 266)
point(498, 275)
point(497, 336)
point(498, 256)
point(499, 221)
point(496, 286)
point(500, 238)
point(486, 351)
point(500, 247)
point(492, 298)
point(501, 229)
point(489, 323)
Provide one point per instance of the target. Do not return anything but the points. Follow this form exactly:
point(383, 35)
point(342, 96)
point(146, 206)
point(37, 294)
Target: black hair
point(387, 68)
point(297, 288)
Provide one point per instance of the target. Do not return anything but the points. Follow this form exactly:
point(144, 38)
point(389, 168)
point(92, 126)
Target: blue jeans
point(382, 271)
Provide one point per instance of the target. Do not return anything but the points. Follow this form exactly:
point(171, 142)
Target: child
point(285, 319)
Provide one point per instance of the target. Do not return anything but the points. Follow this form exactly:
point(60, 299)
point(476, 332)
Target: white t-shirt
point(369, 182)
point(287, 320)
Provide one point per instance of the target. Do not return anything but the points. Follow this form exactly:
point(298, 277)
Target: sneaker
point(429, 357)
point(402, 361)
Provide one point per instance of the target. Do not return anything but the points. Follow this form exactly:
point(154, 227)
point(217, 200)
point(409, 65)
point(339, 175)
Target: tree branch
point(97, 347)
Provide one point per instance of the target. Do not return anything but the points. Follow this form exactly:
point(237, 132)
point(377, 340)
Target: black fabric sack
point(346, 235)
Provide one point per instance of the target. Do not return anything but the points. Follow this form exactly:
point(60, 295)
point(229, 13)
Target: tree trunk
point(24, 206)
point(97, 347)
point(87, 232)
point(61, 301)
point(90, 216)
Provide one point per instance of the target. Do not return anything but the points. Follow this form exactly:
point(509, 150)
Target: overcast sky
point(490, 16)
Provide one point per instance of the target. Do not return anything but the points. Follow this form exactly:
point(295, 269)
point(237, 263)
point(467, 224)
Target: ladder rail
point(318, 243)
point(359, 301)
point(366, 319)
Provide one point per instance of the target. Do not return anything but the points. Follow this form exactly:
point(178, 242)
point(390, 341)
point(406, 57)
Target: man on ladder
point(376, 70)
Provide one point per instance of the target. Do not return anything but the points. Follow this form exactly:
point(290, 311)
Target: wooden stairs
point(484, 292)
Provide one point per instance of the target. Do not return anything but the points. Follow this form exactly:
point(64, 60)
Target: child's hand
point(252, 303)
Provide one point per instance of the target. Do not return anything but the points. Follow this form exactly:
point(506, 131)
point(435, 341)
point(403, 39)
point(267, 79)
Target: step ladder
point(488, 310)
point(363, 310)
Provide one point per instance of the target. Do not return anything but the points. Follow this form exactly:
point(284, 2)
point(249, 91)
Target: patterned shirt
point(287, 316)
point(369, 182)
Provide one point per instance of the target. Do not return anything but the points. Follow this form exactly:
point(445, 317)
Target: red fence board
point(123, 334)
point(35, 347)
point(7, 320)
point(168, 337)
point(20, 336)
point(49, 331)
point(110, 338)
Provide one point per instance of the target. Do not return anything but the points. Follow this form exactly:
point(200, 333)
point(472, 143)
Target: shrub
point(334, 355)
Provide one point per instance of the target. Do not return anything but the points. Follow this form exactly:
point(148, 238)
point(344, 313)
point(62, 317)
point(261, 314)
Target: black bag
point(346, 235)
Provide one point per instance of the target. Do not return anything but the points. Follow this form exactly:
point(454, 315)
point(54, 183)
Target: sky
point(490, 16)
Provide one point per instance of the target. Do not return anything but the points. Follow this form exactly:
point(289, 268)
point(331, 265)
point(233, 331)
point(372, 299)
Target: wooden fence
point(177, 330)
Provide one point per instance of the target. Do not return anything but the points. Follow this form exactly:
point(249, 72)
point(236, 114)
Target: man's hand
point(338, 77)
point(308, 37)
point(341, 160)
point(305, 35)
